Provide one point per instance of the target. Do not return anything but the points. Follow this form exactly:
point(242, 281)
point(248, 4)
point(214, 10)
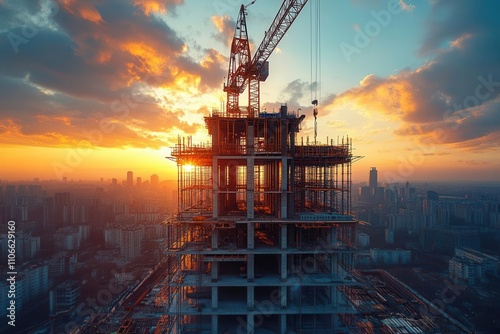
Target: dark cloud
point(451, 19)
point(91, 68)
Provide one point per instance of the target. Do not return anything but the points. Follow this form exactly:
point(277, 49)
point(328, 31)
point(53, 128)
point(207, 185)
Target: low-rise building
point(488, 263)
point(63, 298)
point(390, 256)
point(465, 270)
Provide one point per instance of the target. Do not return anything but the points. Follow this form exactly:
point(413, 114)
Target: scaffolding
point(263, 239)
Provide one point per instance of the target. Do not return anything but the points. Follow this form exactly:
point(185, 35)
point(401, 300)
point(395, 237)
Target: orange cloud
point(213, 58)
point(148, 56)
point(459, 42)
point(394, 97)
point(149, 7)
point(225, 26)
point(83, 9)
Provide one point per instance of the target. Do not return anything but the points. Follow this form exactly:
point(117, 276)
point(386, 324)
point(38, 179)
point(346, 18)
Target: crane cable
point(315, 41)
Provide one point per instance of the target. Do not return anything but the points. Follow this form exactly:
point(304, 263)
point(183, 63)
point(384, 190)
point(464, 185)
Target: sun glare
point(188, 168)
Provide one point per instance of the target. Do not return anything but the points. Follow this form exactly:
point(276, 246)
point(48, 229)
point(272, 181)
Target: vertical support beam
point(283, 267)
point(250, 187)
point(231, 185)
point(215, 179)
point(291, 195)
point(334, 296)
point(215, 188)
point(215, 297)
point(250, 298)
point(215, 324)
point(250, 267)
point(284, 187)
point(250, 171)
point(283, 236)
point(283, 295)
point(214, 272)
point(250, 257)
point(283, 324)
point(251, 235)
point(250, 323)
point(215, 238)
point(333, 236)
point(284, 161)
point(334, 266)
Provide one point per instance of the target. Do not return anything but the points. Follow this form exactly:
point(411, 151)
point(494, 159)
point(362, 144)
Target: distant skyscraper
point(155, 180)
point(373, 180)
point(130, 178)
point(62, 208)
point(431, 205)
point(139, 181)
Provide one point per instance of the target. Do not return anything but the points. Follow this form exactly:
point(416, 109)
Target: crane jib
point(243, 69)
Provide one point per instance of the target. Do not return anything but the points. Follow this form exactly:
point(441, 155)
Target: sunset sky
point(92, 89)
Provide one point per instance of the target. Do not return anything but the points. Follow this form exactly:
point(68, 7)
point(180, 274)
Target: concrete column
point(250, 257)
point(284, 297)
point(250, 323)
point(333, 235)
point(284, 267)
point(250, 298)
point(283, 323)
point(250, 267)
point(250, 187)
point(215, 297)
point(215, 324)
point(215, 238)
point(250, 235)
point(214, 272)
point(231, 185)
point(284, 236)
point(215, 189)
point(334, 296)
point(284, 188)
point(334, 269)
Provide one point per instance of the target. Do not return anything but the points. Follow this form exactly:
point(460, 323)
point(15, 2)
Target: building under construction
point(263, 241)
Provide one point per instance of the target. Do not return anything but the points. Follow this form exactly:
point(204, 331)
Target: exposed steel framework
point(261, 213)
point(262, 219)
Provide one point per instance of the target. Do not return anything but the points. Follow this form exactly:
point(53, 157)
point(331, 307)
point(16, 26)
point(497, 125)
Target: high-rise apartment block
point(130, 178)
point(130, 242)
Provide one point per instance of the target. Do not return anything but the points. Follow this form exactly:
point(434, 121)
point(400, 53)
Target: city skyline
point(414, 84)
point(68, 231)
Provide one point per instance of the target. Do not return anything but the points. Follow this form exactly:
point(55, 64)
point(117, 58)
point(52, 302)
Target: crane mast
point(239, 62)
point(244, 70)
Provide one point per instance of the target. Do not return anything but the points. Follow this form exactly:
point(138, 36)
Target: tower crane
point(246, 70)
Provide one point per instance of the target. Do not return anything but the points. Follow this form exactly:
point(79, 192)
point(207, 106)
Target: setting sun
point(188, 168)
